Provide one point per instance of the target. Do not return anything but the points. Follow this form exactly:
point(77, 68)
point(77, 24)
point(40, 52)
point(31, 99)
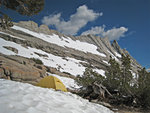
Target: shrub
point(143, 89)
point(37, 61)
point(89, 77)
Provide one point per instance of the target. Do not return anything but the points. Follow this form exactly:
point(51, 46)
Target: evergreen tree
point(126, 74)
point(23, 7)
point(5, 22)
point(89, 77)
point(113, 75)
point(143, 89)
point(142, 79)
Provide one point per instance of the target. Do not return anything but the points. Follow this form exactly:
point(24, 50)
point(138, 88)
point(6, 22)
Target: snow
point(113, 56)
point(135, 75)
point(25, 98)
point(100, 71)
point(118, 55)
point(12, 36)
point(105, 62)
point(69, 65)
point(64, 42)
point(68, 82)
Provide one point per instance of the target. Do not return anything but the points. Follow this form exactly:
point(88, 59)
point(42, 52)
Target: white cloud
point(98, 30)
point(112, 34)
point(148, 70)
point(76, 21)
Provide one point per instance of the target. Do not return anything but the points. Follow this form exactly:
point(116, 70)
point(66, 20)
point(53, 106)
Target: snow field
point(62, 41)
point(69, 65)
point(25, 98)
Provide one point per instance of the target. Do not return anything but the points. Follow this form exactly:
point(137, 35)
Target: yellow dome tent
point(52, 82)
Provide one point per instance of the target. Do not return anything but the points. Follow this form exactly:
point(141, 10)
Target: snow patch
point(113, 56)
point(105, 62)
point(135, 76)
point(68, 82)
point(100, 71)
point(25, 98)
point(12, 36)
point(64, 42)
point(118, 55)
point(69, 65)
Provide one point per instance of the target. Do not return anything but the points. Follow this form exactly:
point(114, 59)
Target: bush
point(37, 61)
point(119, 82)
point(143, 89)
point(89, 77)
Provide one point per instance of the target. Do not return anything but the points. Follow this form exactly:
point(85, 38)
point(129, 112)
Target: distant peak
point(116, 46)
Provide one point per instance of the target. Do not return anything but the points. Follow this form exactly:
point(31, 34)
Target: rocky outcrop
point(25, 70)
point(29, 25)
point(11, 48)
point(16, 69)
point(116, 46)
point(20, 69)
point(34, 27)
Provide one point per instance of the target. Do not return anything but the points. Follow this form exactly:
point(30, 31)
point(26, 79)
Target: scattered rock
point(12, 49)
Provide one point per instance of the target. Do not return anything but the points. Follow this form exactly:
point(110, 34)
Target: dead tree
point(101, 90)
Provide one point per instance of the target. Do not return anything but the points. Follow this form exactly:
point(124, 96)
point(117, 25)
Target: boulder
point(20, 69)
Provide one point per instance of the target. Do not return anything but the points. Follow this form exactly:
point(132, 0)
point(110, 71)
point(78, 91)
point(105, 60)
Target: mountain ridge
point(69, 54)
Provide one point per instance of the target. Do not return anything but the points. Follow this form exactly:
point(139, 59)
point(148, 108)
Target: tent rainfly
point(52, 82)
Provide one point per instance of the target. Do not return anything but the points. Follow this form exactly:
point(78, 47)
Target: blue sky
point(127, 21)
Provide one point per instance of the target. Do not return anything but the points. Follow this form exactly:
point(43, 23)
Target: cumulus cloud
point(98, 30)
point(112, 34)
point(78, 20)
point(148, 70)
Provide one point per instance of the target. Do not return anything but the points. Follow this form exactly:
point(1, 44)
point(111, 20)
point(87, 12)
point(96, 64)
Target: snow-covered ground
point(18, 97)
point(69, 65)
point(62, 41)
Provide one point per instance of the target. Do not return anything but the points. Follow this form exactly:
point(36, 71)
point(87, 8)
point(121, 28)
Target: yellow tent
point(52, 82)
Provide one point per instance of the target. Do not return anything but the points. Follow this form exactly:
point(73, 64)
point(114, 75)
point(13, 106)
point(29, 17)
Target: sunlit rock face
point(67, 55)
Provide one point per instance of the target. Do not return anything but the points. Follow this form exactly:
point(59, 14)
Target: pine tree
point(89, 77)
point(143, 88)
point(6, 22)
point(126, 74)
point(142, 79)
point(113, 75)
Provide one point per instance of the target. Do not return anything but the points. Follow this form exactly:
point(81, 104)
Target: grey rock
point(20, 69)
point(103, 45)
point(11, 48)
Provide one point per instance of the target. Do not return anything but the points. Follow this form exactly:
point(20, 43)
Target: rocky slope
point(61, 54)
